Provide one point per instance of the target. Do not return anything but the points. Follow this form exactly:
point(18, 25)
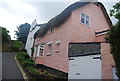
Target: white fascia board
point(101, 33)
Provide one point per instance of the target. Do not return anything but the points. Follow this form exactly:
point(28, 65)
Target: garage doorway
point(84, 61)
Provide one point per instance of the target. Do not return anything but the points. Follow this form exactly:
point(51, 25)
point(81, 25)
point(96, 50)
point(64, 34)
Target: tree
point(5, 36)
point(116, 11)
point(16, 45)
point(114, 37)
point(22, 32)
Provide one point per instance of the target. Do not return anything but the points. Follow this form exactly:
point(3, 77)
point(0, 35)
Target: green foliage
point(22, 32)
point(6, 49)
point(114, 37)
point(29, 65)
point(45, 73)
point(32, 50)
point(32, 69)
point(115, 11)
point(28, 62)
point(5, 36)
point(22, 56)
point(16, 45)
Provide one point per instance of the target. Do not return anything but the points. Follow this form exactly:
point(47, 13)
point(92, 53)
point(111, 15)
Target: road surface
point(10, 70)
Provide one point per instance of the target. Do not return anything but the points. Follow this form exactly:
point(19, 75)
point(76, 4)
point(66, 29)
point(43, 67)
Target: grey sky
point(49, 9)
point(16, 12)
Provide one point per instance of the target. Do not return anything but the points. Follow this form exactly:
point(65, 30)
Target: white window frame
point(49, 43)
point(52, 29)
point(57, 42)
point(43, 49)
point(85, 19)
point(82, 17)
point(49, 48)
point(36, 50)
point(58, 46)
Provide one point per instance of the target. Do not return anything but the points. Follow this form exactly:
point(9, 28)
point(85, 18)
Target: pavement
point(10, 70)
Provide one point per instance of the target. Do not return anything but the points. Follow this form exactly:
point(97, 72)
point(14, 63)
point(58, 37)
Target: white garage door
point(85, 67)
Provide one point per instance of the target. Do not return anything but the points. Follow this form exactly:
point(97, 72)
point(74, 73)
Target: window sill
point(56, 51)
point(49, 54)
point(39, 56)
point(85, 24)
point(50, 33)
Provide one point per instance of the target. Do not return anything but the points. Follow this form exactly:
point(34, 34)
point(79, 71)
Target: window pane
point(84, 48)
point(50, 48)
point(41, 52)
point(82, 18)
point(36, 50)
point(52, 29)
point(82, 15)
point(41, 49)
point(87, 20)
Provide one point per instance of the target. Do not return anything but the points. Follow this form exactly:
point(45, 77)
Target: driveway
point(10, 70)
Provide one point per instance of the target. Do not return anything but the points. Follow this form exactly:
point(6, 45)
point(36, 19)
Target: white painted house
point(30, 39)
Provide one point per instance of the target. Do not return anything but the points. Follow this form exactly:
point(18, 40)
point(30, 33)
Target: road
point(10, 70)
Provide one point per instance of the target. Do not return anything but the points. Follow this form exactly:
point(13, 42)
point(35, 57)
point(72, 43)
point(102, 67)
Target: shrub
point(28, 62)
point(32, 50)
point(24, 54)
point(23, 50)
point(32, 69)
point(21, 56)
point(46, 74)
point(16, 45)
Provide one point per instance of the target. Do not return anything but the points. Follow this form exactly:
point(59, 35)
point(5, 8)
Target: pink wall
point(72, 31)
point(82, 32)
point(56, 60)
point(107, 61)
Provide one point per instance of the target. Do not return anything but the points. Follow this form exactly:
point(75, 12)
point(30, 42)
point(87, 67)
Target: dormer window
point(85, 19)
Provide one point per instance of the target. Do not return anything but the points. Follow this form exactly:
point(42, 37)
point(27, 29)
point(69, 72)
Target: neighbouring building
point(73, 42)
point(30, 39)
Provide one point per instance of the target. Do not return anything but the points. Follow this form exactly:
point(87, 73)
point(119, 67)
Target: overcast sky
point(16, 12)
